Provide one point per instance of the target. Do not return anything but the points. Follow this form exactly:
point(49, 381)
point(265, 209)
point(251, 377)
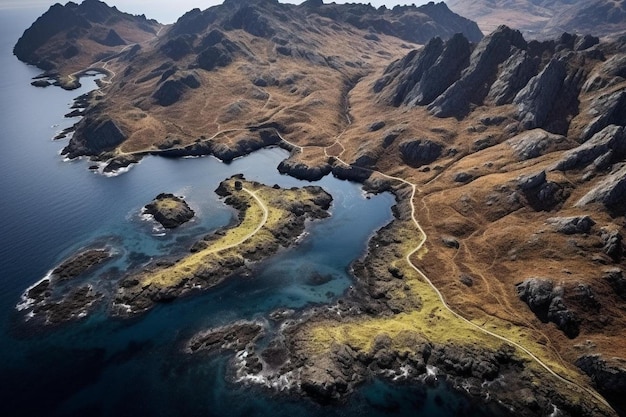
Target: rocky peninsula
point(268, 219)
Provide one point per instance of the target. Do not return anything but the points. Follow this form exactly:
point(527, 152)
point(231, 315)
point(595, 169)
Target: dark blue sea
point(99, 366)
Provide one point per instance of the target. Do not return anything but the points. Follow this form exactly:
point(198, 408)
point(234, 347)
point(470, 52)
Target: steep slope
point(187, 91)
point(546, 18)
point(69, 38)
point(524, 199)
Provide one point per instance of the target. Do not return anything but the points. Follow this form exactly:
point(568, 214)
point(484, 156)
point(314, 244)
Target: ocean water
point(101, 366)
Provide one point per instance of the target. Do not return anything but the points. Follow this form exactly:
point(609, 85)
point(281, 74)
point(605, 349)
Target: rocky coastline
point(213, 259)
point(45, 302)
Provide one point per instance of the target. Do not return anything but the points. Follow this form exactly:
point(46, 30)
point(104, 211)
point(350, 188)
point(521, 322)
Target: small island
point(169, 210)
point(269, 218)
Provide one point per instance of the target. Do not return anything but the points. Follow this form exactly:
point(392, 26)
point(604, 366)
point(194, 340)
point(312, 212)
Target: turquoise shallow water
point(109, 367)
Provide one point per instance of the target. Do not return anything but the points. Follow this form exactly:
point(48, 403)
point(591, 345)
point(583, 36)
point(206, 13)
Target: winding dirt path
point(414, 190)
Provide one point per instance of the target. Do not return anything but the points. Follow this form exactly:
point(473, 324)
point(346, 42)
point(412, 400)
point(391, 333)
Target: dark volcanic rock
point(546, 301)
point(420, 152)
point(234, 336)
point(112, 39)
point(608, 377)
point(81, 263)
point(613, 245)
point(178, 47)
point(541, 194)
point(72, 21)
point(252, 21)
point(351, 173)
point(303, 171)
point(169, 210)
point(172, 90)
point(615, 277)
point(214, 57)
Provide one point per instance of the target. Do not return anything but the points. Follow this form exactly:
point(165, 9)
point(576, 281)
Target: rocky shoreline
point(498, 380)
point(43, 302)
point(209, 262)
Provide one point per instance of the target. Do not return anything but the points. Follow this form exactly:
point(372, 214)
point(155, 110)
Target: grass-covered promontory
point(268, 218)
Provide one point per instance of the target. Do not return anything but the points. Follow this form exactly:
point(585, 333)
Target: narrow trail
point(414, 190)
point(408, 257)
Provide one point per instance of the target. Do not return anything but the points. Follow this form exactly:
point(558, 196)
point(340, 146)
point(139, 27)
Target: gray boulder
point(537, 142)
point(613, 245)
point(571, 225)
point(617, 281)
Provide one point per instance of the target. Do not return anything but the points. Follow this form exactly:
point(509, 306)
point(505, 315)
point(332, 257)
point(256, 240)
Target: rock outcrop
point(173, 89)
point(571, 225)
point(420, 152)
point(302, 171)
point(473, 85)
point(61, 27)
point(93, 136)
point(611, 191)
point(169, 210)
point(609, 142)
point(546, 301)
point(608, 376)
point(537, 142)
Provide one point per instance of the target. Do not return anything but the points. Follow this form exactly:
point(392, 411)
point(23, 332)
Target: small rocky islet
point(169, 210)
